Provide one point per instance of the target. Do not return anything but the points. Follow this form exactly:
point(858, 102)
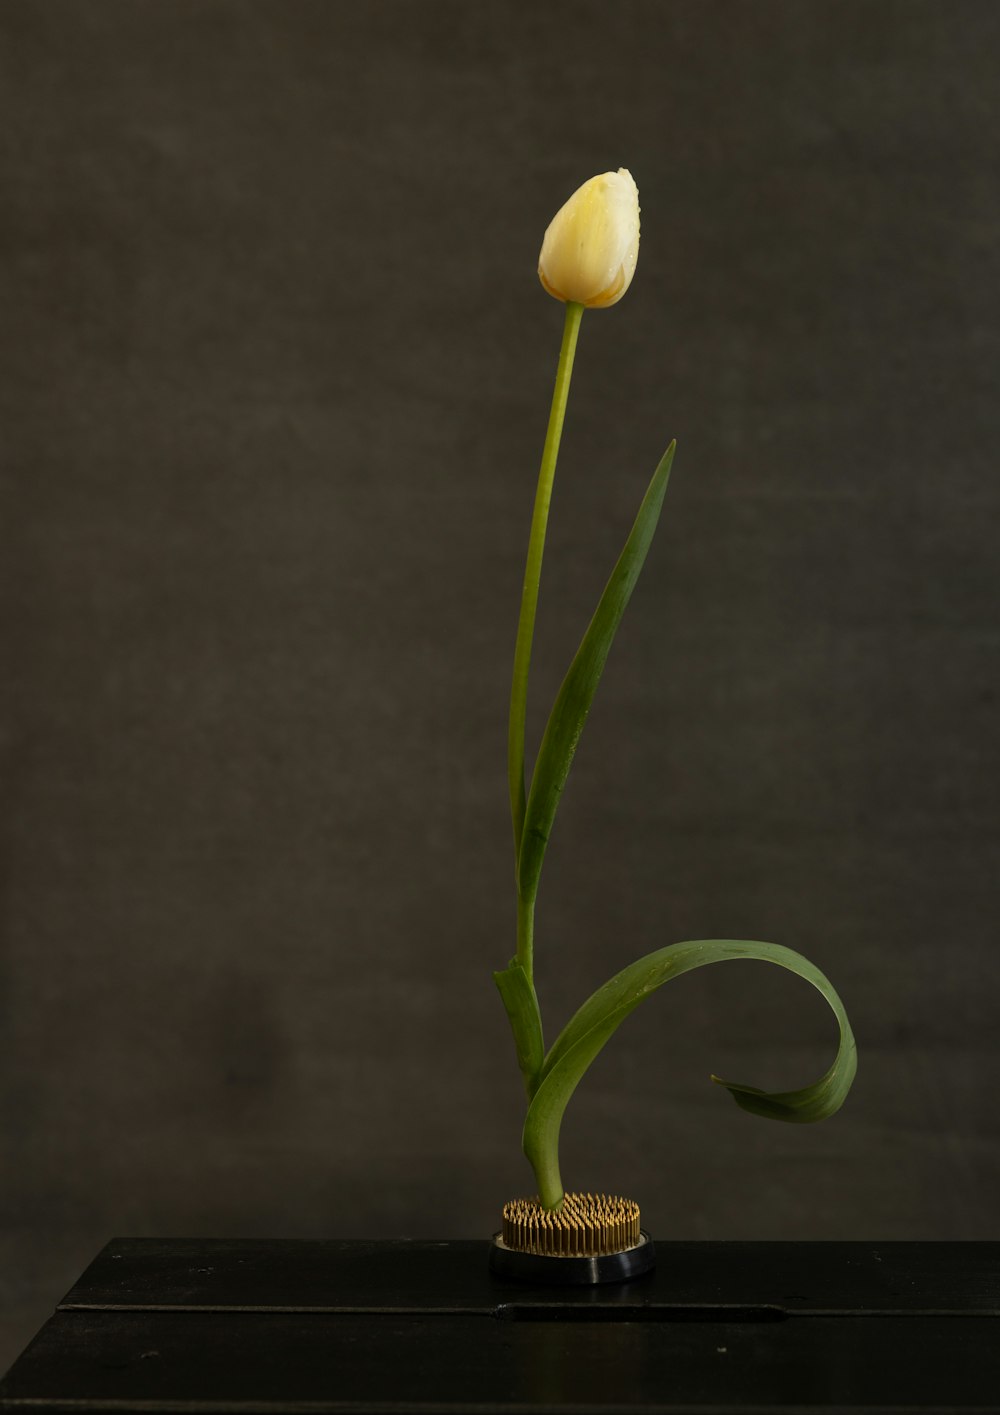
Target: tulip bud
point(592, 244)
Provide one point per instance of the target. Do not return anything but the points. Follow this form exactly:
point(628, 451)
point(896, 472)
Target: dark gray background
point(274, 371)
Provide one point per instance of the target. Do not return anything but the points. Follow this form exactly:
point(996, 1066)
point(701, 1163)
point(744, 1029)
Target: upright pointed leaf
point(600, 1016)
point(572, 704)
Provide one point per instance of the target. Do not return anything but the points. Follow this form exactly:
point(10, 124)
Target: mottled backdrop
point(274, 374)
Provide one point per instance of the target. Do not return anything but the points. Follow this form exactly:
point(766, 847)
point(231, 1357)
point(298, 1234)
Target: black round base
point(572, 1272)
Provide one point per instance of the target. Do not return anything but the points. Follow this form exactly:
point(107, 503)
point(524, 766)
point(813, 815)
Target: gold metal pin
point(584, 1226)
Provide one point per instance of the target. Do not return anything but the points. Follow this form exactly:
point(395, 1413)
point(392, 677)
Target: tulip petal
point(591, 246)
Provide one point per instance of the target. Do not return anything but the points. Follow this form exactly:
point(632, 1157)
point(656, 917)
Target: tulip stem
point(526, 936)
point(529, 603)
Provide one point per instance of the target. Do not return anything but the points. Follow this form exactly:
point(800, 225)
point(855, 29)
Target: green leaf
point(572, 704)
point(600, 1016)
point(521, 1003)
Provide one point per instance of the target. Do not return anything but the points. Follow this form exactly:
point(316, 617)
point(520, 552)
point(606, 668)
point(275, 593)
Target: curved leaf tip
point(816, 1102)
point(600, 1016)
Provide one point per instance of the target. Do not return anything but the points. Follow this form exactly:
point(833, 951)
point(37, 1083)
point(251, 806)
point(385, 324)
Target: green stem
point(549, 1180)
point(532, 576)
point(526, 936)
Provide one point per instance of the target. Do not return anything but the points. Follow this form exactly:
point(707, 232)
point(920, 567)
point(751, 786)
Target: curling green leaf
point(521, 1002)
point(601, 1015)
point(572, 704)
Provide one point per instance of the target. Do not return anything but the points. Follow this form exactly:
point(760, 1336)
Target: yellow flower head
point(591, 247)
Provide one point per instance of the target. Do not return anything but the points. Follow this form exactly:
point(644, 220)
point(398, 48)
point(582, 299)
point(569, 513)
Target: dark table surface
point(419, 1327)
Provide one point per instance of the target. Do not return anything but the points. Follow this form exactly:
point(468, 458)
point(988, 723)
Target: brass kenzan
point(585, 1226)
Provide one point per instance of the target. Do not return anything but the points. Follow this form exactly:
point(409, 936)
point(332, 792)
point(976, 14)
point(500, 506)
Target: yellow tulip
point(591, 246)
